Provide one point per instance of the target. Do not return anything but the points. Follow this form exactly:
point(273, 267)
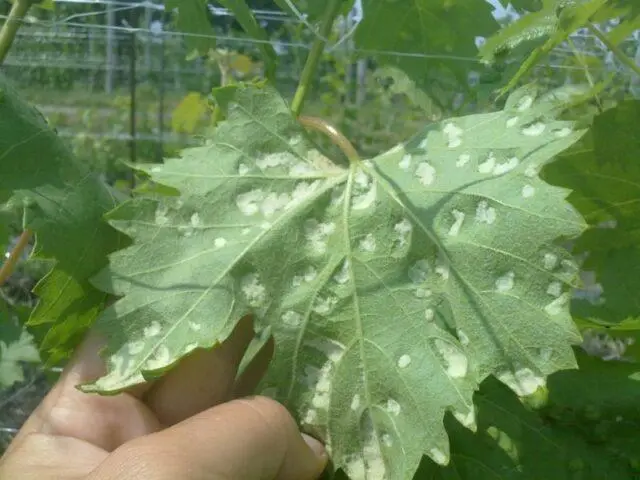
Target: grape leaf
point(446, 30)
point(587, 432)
point(16, 347)
point(193, 19)
point(392, 287)
point(65, 207)
point(188, 114)
point(247, 20)
point(604, 176)
point(605, 386)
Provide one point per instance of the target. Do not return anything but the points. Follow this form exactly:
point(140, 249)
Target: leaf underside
point(392, 288)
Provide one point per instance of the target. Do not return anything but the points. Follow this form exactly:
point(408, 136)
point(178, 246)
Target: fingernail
point(316, 446)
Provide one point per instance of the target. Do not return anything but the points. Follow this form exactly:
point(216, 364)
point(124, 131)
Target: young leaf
point(392, 287)
point(66, 204)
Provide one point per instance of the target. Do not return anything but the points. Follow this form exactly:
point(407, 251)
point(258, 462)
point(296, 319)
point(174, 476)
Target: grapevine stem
point(309, 70)
point(333, 133)
point(11, 26)
point(14, 256)
point(614, 48)
point(580, 57)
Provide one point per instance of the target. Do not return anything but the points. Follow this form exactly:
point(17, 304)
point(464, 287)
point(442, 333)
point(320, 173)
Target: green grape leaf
point(604, 176)
point(446, 30)
point(311, 9)
point(588, 432)
point(16, 347)
point(603, 385)
point(65, 204)
point(392, 287)
point(193, 19)
point(247, 20)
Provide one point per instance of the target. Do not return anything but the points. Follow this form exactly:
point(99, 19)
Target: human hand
point(189, 425)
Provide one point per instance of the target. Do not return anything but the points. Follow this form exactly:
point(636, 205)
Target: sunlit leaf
point(189, 113)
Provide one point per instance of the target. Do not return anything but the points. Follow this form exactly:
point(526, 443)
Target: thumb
point(250, 439)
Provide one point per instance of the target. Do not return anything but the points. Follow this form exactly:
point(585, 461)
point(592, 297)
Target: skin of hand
point(195, 423)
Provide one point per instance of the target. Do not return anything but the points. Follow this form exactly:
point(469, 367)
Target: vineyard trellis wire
point(83, 55)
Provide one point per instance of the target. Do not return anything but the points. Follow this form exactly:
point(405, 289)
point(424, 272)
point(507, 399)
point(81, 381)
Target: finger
point(105, 422)
point(201, 380)
point(249, 439)
point(247, 382)
point(46, 457)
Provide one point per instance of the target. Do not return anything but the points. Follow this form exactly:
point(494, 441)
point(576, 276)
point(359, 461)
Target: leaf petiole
point(337, 138)
point(309, 70)
point(10, 264)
